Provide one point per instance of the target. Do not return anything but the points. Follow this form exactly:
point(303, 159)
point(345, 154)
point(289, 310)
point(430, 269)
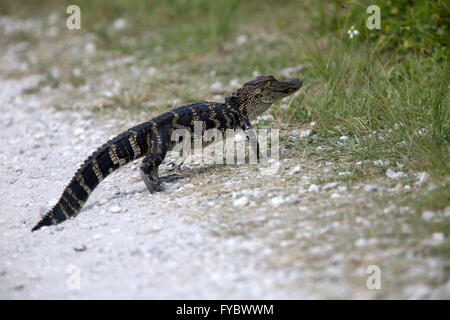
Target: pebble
point(438, 237)
point(240, 202)
point(314, 188)
point(115, 209)
point(371, 187)
point(97, 236)
point(428, 215)
point(293, 198)
point(234, 83)
point(80, 248)
point(241, 39)
point(422, 178)
point(305, 133)
point(343, 138)
point(294, 170)
point(217, 85)
point(277, 201)
point(391, 174)
point(335, 195)
point(330, 185)
point(78, 131)
point(360, 242)
point(120, 23)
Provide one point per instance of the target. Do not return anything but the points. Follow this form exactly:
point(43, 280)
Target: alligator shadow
point(189, 172)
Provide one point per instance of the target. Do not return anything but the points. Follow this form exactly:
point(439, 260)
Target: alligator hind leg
point(151, 162)
point(151, 180)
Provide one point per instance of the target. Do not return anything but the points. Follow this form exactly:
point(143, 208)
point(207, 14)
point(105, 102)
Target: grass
point(386, 89)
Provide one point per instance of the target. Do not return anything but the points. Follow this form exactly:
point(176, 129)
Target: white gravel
point(125, 243)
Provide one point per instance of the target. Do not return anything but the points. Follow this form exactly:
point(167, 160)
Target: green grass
point(386, 89)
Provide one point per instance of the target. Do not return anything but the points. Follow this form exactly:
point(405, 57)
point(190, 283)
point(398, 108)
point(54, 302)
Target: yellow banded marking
point(113, 155)
point(97, 171)
point(228, 122)
point(121, 161)
point(213, 116)
point(63, 211)
point(69, 190)
point(157, 136)
point(195, 116)
point(69, 204)
point(175, 122)
point(134, 146)
point(84, 185)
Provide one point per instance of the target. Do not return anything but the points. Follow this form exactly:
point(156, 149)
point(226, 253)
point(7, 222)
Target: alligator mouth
point(290, 86)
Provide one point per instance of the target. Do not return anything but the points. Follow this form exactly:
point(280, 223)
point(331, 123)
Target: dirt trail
point(226, 232)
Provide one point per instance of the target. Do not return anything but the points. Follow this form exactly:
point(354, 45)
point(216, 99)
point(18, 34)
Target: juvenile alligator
point(152, 140)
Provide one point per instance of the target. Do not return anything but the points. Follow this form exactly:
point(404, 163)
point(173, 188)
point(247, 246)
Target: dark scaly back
point(117, 152)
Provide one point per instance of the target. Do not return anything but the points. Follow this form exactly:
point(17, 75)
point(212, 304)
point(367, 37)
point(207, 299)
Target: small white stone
point(277, 201)
point(303, 209)
point(115, 209)
point(242, 201)
point(391, 174)
point(76, 72)
point(217, 85)
point(330, 185)
point(293, 198)
point(343, 138)
point(370, 187)
point(294, 170)
point(78, 131)
point(305, 133)
point(241, 39)
point(438, 237)
point(335, 195)
point(447, 212)
point(90, 47)
point(422, 178)
point(428, 215)
point(97, 236)
point(314, 188)
point(120, 23)
point(234, 83)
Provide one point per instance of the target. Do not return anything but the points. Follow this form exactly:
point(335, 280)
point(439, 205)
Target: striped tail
point(115, 153)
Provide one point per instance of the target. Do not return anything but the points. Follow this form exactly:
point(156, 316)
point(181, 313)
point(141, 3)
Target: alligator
point(151, 140)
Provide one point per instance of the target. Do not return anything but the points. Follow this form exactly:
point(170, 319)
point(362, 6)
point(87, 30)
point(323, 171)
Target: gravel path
point(225, 232)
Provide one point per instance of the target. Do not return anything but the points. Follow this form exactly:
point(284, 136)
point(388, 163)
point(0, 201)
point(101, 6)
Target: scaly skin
point(152, 140)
